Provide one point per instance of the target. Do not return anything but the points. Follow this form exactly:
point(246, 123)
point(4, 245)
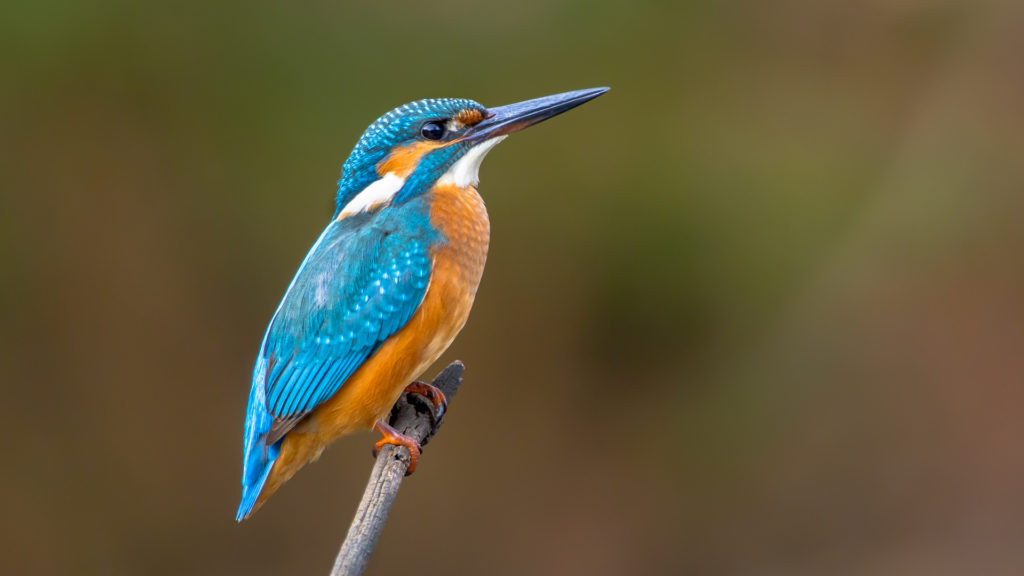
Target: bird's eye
point(433, 131)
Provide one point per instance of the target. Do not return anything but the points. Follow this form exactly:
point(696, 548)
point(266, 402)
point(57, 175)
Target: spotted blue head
point(439, 140)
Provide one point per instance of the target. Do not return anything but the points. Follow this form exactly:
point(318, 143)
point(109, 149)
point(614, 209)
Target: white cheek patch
point(466, 171)
point(374, 196)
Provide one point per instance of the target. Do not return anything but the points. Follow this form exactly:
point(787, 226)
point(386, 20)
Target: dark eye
point(433, 131)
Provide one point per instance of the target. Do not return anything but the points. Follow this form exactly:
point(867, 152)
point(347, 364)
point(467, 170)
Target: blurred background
point(758, 310)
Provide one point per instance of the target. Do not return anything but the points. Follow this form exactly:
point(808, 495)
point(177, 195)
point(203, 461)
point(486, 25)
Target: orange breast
point(369, 394)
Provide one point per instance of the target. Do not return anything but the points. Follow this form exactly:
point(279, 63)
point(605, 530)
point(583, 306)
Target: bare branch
point(414, 416)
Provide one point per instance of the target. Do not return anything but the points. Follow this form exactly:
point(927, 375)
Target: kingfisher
point(384, 290)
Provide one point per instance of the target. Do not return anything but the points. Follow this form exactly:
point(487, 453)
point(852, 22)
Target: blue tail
point(258, 459)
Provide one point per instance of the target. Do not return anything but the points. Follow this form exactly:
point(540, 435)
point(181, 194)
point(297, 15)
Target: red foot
point(392, 436)
point(433, 393)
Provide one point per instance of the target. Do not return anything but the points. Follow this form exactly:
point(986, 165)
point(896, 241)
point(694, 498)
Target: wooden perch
point(414, 416)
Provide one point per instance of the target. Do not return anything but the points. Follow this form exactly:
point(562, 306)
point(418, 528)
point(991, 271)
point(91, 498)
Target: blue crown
point(396, 127)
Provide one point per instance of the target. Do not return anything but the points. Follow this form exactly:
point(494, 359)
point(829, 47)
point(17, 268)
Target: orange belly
point(374, 387)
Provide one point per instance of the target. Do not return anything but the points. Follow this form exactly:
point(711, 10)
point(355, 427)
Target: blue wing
point(359, 284)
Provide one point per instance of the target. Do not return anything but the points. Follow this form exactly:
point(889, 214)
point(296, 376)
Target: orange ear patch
point(403, 160)
point(468, 116)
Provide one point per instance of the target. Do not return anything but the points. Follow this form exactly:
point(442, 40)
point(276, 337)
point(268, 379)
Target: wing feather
point(360, 283)
point(358, 288)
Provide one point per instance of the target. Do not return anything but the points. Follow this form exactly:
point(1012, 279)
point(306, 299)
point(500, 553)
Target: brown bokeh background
point(758, 310)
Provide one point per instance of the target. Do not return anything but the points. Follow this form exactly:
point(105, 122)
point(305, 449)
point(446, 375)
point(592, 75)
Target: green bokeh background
point(758, 310)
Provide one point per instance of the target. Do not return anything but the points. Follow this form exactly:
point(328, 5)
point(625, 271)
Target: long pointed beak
point(505, 120)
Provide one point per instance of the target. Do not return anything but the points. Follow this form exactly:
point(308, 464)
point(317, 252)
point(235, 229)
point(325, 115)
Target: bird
point(385, 288)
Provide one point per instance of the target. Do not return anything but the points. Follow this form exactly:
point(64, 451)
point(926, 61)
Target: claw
point(433, 393)
point(392, 436)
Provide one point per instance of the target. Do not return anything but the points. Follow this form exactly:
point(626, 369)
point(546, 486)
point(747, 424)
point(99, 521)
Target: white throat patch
point(374, 196)
point(466, 171)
